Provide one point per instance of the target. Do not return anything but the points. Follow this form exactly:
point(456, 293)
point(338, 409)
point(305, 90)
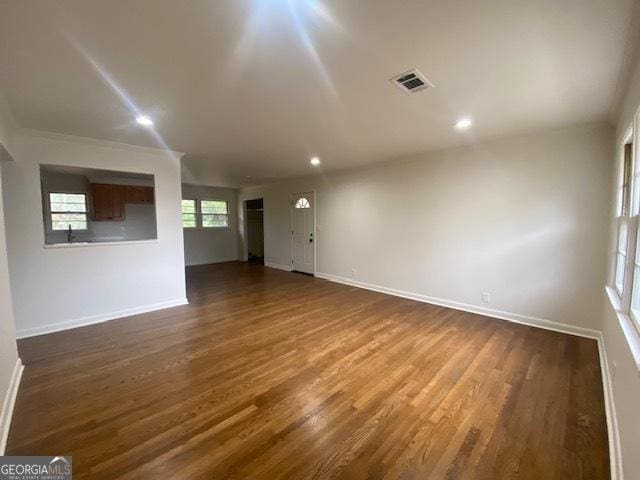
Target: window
point(626, 277)
point(214, 213)
point(635, 291)
point(302, 203)
point(189, 214)
point(624, 209)
point(625, 232)
point(68, 210)
point(625, 205)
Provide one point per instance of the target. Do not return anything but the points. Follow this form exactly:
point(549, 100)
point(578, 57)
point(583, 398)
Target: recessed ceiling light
point(144, 120)
point(464, 123)
point(315, 161)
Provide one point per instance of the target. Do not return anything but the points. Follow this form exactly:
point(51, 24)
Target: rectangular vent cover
point(411, 82)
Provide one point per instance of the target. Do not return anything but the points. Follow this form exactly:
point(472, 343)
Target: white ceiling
point(256, 87)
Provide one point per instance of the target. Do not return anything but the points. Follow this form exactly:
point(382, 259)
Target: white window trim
point(49, 220)
point(624, 294)
point(634, 263)
point(633, 233)
point(626, 324)
point(195, 205)
point(621, 300)
point(620, 288)
point(200, 214)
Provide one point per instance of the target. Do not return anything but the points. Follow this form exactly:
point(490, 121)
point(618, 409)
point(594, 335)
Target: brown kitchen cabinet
point(108, 201)
point(149, 195)
point(137, 194)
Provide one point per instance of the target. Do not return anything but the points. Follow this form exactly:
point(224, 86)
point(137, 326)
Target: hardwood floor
point(269, 374)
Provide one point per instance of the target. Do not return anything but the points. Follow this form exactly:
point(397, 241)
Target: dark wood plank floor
point(268, 374)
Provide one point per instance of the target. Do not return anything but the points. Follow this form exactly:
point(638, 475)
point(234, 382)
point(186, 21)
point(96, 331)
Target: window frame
point(201, 215)
point(622, 304)
point(628, 212)
point(303, 205)
point(195, 213)
point(50, 211)
point(632, 270)
point(620, 287)
point(635, 282)
point(626, 187)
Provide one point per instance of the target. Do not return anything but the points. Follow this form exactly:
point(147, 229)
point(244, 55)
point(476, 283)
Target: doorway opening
point(254, 215)
point(303, 242)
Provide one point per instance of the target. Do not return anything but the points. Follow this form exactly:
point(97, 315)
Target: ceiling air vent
point(411, 82)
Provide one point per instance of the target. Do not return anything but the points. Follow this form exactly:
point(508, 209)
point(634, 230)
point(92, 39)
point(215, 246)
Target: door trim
point(315, 230)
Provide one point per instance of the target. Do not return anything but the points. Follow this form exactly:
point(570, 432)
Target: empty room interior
point(313, 239)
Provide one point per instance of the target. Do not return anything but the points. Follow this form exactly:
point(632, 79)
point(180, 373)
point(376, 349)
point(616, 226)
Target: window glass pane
point(626, 179)
point(213, 206)
point(635, 201)
point(622, 236)
point(620, 271)
point(72, 217)
point(189, 220)
point(56, 197)
point(188, 206)
point(65, 225)
point(302, 203)
point(67, 202)
point(68, 207)
point(61, 221)
point(635, 294)
point(215, 220)
point(67, 197)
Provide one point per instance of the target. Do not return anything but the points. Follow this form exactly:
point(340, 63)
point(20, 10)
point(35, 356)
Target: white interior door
point(302, 232)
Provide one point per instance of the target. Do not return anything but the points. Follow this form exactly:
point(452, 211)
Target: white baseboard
point(286, 268)
point(9, 403)
point(615, 452)
point(93, 319)
point(489, 312)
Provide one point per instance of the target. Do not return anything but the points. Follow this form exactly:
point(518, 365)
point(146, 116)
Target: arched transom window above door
point(302, 203)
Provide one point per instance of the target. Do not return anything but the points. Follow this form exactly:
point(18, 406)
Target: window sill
point(628, 329)
point(98, 244)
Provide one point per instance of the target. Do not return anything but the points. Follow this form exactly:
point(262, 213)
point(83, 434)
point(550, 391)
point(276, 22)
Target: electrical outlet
point(486, 297)
point(353, 273)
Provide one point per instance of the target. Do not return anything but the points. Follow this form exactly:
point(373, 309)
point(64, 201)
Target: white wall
point(61, 287)
point(8, 351)
point(522, 218)
point(626, 377)
point(212, 245)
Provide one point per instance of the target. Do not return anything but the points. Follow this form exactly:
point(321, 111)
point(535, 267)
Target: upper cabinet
point(134, 194)
point(108, 200)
